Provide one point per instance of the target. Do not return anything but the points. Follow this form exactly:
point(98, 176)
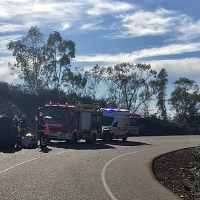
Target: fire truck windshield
point(56, 113)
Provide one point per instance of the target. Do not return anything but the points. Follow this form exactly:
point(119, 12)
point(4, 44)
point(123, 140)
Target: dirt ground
point(179, 171)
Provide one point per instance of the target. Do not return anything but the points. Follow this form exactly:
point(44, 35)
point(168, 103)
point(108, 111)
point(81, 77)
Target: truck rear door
point(85, 120)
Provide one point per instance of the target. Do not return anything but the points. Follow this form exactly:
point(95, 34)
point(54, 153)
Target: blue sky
point(163, 33)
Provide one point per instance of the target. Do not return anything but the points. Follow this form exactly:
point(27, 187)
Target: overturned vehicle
point(8, 136)
point(29, 141)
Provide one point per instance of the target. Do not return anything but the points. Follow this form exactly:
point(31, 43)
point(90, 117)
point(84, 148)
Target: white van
point(115, 124)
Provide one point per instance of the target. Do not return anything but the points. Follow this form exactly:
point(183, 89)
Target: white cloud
point(5, 75)
point(100, 7)
point(91, 26)
point(187, 67)
point(172, 49)
point(158, 22)
point(189, 29)
point(4, 42)
point(134, 56)
point(66, 26)
point(143, 23)
point(28, 13)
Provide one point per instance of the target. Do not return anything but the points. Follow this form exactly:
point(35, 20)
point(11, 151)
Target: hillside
point(157, 127)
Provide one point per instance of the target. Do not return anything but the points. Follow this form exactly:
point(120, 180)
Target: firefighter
point(41, 126)
point(23, 124)
point(16, 123)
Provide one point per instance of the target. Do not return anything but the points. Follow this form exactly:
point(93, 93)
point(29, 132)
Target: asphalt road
point(101, 171)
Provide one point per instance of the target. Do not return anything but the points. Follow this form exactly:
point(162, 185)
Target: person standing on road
point(16, 123)
point(41, 128)
point(23, 124)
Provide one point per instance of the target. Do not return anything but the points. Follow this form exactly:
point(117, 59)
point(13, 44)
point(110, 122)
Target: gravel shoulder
point(179, 171)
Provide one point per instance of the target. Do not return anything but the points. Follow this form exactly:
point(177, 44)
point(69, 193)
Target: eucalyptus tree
point(94, 78)
point(185, 100)
point(58, 53)
point(129, 85)
point(28, 53)
point(162, 81)
point(75, 82)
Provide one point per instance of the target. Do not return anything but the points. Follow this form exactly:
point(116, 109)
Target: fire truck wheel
point(105, 138)
point(87, 140)
point(125, 138)
point(111, 137)
point(74, 138)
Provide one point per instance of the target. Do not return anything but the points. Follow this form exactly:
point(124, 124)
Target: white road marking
point(103, 172)
point(64, 151)
point(9, 168)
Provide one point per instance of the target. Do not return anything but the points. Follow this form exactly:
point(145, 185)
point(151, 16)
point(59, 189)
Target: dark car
point(8, 136)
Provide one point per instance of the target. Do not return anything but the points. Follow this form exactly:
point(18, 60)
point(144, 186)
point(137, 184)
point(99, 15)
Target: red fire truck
point(72, 122)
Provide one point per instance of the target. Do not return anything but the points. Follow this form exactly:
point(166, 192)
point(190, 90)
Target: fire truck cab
point(72, 123)
point(115, 124)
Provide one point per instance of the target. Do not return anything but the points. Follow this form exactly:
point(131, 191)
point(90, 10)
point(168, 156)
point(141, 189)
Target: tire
point(111, 137)
point(125, 138)
point(105, 137)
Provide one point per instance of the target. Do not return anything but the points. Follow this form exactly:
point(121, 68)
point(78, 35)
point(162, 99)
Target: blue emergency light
point(110, 110)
